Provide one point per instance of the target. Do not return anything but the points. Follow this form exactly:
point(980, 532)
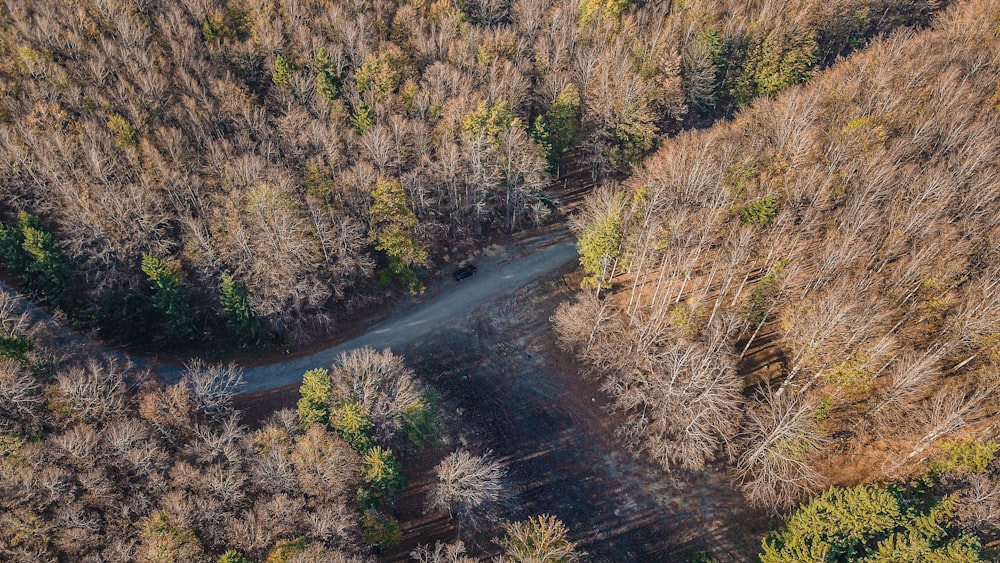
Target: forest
point(789, 238)
point(253, 170)
point(810, 290)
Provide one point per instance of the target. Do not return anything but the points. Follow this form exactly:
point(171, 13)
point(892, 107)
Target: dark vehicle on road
point(464, 272)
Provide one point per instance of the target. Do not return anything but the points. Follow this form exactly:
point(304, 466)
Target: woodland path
point(502, 270)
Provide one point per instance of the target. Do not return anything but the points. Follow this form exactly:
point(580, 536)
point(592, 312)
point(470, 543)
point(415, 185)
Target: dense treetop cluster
point(816, 281)
point(299, 148)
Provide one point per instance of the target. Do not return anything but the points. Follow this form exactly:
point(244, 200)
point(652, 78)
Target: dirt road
point(501, 271)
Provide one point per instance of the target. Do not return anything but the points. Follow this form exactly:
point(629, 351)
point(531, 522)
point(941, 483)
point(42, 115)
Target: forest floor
point(507, 388)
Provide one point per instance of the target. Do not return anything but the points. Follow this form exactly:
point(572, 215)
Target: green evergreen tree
point(241, 320)
point(600, 246)
point(591, 10)
point(868, 524)
point(283, 70)
point(30, 252)
point(210, 32)
point(317, 392)
point(490, 120)
point(169, 301)
point(774, 63)
point(383, 471)
point(363, 118)
point(123, 131)
point(559, 129)
point(392, 228)
point(759, 212)
point(381, 74)
point(284, 550)
point(327, 80)
point(12, 254)
point(14, 348)
point(350, 422)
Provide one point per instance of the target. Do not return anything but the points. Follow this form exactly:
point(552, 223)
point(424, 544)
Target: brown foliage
point(841, 235)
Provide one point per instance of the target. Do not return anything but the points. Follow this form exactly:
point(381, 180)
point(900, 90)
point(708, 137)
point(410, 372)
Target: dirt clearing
point(506, 387)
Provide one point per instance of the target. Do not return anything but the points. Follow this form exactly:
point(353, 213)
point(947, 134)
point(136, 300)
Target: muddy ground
point(506, 387)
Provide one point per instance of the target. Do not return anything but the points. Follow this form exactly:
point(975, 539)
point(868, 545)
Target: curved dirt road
point(502, 270)
point(500, 273)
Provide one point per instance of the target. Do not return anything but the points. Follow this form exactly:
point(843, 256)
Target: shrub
point(759, 212)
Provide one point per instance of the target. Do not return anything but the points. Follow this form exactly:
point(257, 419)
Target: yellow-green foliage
point(381, 74)
point(490, 120)
point(600, 246)
point(392, 229)
point(352, 424)
point(420, 419)
point(775, 62)
point(595, 9)
point(741, 176)
point(314, 406)
point(852, 375)
point(327, 80)
point(759, 212)
point(965, 455)
point(233, 556)
point(285, 550)
point(448, 13)
point(122, 130)
point(681, 317)
point(383, 471)
point(559, 129)
point(868, 524)
point(283, 70)
point(363, 118)
point(33, 63)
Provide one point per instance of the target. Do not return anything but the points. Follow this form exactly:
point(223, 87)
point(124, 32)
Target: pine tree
point(31, 253)
point(559, 129)
point(350, 422)
point(869, 523)
point(283, 70)
point(170, 301)
point(383, 471)
point(490, 120)
point(392, 227)
point(233, 556)
point(327, 81)
point(363, 118)
point(316, 391)
point(600, 245)
point(241, 319)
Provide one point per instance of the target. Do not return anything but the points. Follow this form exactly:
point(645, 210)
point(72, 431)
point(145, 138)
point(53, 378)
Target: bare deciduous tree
point(380, 382)
point(467, 486)
point(22, 406)
point(773, 468)
point(94, 392)
point(212, 387)
point(979, 503)
point(442, 553)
